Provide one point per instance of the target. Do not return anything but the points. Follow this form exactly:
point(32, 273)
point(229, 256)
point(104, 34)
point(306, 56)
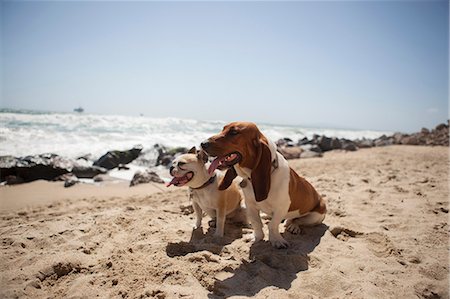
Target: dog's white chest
point(278, 194)
point(206, 198)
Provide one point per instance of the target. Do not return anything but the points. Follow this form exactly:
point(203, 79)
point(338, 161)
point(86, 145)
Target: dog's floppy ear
point(228, 179)
point(202, 156)
point(262, 171)
point(193, 150)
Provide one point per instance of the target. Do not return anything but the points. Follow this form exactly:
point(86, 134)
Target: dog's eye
point(181, 164)
point(233, 132)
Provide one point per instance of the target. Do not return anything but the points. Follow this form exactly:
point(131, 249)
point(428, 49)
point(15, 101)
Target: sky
point(379, 65)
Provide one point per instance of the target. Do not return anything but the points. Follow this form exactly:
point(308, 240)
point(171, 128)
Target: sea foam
point(73, 135)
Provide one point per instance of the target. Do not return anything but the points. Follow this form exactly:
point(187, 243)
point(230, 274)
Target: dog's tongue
point(174, 181)
point(214, 164)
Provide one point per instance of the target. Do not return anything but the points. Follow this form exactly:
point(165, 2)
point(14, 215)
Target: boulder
point(290, 152)
point(425, 131)
point(311, 147)
point(398, 137)
point(384, 141)
point(310, 154)
point(441, 127)
point(324, 143)
point(112, 159)
point(327, 144)
point(142, 177)
point(336, 144)
point(410, 140)
point(30, 168)
point(364, 143)
point(284, 142)
point(70, 181)
point(166, 156)
point(348, 145)
point(87, 172)
point(304, 141)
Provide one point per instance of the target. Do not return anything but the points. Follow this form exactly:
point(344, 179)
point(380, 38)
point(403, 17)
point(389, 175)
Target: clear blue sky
point(354, 64)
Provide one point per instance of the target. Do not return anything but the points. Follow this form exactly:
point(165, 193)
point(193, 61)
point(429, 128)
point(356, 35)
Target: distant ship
point(79, 110)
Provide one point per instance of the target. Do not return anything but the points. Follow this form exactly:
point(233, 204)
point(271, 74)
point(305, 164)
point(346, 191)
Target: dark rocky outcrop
point(142, 177)
point(437, 136)
point(87, 172)
point(113, 159)
point(30, 168)
point(319, 143)
point(166, 155)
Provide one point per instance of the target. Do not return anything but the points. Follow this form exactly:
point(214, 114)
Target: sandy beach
point(385, 236)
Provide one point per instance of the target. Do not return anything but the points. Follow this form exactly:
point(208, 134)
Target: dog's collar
point(207, 183)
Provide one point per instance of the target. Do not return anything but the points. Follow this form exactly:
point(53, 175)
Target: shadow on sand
point(269, 266)
point(200, 241)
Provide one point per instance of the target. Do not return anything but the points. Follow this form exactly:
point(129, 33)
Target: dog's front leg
point(255, 221)
point(275, 237)
point(220, 222)
point(198, 214)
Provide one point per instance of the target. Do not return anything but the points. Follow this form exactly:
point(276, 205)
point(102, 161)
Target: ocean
point(73, 135)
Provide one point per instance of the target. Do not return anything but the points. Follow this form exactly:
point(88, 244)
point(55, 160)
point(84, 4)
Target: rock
point(123, 167)
point(398, 137)
point(69, 182)
point(13, 180)
point(327, 144)
point(348, 145)
point(112, 159)
point(425, 131)
point(335, 144)
point(284, 142)
point(30, 168)
point(292, 152)
point(383, 141)
point(88, 172)
point(104, 178)
point(364, 143)
point(324, 143)
point(310, 154)
point(166, 156)
point(87, 157)
point(304, 141)
point(441, 127)
point(311, 147)
point(145, 177)
point(410, 140)
point(165, 160)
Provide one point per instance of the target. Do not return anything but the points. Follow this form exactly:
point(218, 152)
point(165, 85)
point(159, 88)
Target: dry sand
point(385, 236)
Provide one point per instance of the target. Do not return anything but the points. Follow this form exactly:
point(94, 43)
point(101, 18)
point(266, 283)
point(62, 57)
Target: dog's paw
point(279, 242)
point(212, 223)
point(293, 228)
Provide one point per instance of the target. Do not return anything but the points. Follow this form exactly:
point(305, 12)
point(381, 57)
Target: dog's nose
point(204, 144)
point(171, 169)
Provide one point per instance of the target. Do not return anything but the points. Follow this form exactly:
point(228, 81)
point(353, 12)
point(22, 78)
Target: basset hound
point(269, 184)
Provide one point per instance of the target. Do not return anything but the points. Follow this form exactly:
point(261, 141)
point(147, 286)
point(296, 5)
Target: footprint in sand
point(380, 245)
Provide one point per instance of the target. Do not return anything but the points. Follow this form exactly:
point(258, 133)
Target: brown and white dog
point(272, 186)
point(190, 170)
